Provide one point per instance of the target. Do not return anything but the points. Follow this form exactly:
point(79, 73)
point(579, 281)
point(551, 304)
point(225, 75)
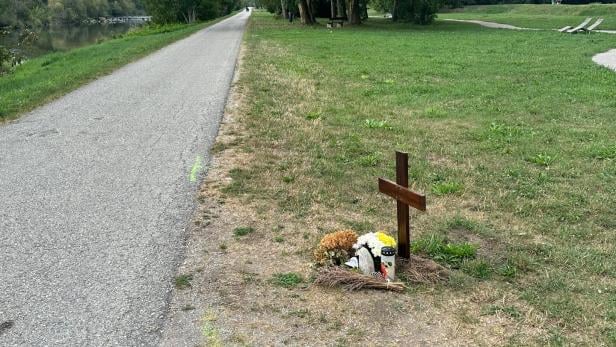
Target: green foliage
point(378, 124)
point(444, 188)
point(438, 248)
point(243, 231)
point(314, 115)
point(287, 280)
point(508, 270)
point(382, 5)
point(39, 13)
point(23, 13)
point(477, 268)
point(370, 160)
point(604, 152)
point(9, 58)
point(188, 11)
point(275, 6)
point(542, 159)
point(183, 281)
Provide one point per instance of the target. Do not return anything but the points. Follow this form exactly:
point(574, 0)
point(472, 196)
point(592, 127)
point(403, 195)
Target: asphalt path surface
point(97, 189)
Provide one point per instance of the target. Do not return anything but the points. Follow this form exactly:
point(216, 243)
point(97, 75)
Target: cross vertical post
point(402, 179)
point(405, 198)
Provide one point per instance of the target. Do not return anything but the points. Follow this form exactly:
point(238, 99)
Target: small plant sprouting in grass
point(239, 177)
point(477, 268)
point(377, 124)
point(183, 281)
point(435, 112)
point(504, 130)
point(459, 222)
point(243, 231)
point(444, 188)
point(508, 270)
point(279, 239)
point(288, 179)
point(514, 173)
point(314, 115)
point(287, 280)
point(370, 160)
point(439, 249)
point(604, 153)
point(542, 159)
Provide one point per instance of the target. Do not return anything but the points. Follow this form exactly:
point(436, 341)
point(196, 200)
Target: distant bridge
point(144, 18)
point(125, 19)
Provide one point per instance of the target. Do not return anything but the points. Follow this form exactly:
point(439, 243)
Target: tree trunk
point(285, 12)
point(394, 11)
point(190, 16)
point(332, 9)
point(341, 10)
point(354, 14)
point(304, 12)
point(312, 10)
point(364, 10)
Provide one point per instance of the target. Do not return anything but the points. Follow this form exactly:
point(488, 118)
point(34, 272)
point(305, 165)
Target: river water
point(66, 37)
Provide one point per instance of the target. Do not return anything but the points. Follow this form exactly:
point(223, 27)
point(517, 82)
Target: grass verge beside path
point(511, 136)
point(50, 76)
point(537, 16)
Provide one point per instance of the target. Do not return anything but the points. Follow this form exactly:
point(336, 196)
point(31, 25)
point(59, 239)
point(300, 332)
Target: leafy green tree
point(19, 13)
point(417, 11)
point(188, 11)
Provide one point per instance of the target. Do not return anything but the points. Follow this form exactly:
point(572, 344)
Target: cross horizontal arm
point(402, 194)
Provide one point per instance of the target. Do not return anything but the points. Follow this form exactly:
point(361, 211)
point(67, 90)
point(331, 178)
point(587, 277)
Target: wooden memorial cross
point(404, 198)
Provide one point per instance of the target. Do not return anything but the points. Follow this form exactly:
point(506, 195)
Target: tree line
point(355, 11)
point(189, 11)
point(37, 13)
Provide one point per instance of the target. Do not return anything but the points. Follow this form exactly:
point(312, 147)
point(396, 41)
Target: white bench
point(594, 25)
point(581, 26)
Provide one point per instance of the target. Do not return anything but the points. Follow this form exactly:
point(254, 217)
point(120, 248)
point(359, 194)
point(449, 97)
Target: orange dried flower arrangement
point(335, 248)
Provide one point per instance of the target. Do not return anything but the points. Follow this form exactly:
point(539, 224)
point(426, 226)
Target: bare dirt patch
point(607, 59)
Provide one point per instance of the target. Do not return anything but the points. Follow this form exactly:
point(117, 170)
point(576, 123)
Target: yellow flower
point(385, 239)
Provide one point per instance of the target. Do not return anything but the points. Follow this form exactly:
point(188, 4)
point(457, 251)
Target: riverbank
point(50, 76)
point(63, 38)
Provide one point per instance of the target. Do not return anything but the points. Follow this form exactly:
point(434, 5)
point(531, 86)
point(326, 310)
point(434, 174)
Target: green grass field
point(512, 135)
point(45, 78)
point(537, 16)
